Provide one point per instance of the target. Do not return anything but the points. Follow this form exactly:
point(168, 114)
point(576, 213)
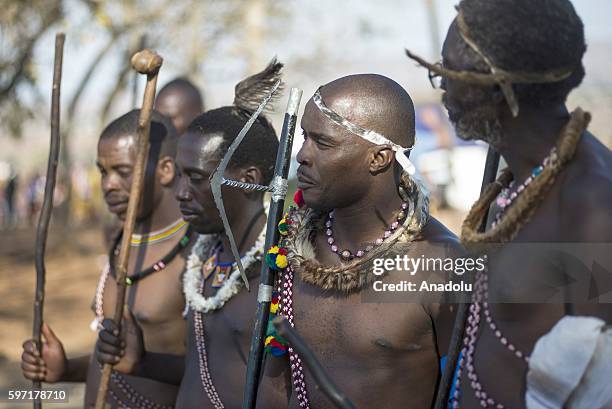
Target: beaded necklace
point(507, 196)
point(157, 266)
point(202, 305)
point(108, 270)
point(505, 229)
point(137, 400)
point(297, 231)
point(481, 296)
point(158, 236)
point(346, 254)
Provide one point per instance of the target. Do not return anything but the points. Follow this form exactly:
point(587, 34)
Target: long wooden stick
point(456, 342)
point(145, 62)
point(142, 42)
point(47, 206)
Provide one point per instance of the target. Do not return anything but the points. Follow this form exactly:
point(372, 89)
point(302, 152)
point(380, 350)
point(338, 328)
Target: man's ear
point(381, 157)
point(251, 174)
point(500, 107)
point(166, 170)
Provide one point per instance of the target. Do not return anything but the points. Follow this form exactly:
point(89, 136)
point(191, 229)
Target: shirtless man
point(155, 296)
point(219, 316)
point(358, 208)
point(560, 194)
point(180, 101)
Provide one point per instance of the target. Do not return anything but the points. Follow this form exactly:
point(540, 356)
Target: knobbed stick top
point(147, 62)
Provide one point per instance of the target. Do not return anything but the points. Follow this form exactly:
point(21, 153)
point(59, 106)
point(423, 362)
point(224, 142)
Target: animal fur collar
point(356, 274)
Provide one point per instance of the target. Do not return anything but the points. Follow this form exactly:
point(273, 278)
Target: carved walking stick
point(145, 62)
point(47, 206)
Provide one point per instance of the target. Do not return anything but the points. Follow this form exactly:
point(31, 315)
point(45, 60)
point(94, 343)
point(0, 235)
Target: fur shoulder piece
point(298, 241)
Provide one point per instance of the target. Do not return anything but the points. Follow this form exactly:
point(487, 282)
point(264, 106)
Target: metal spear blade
point(217, 179)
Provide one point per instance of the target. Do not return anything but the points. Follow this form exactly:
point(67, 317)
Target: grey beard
point(489, 130)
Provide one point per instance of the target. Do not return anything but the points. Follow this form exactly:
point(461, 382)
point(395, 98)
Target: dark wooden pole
point(264, 298)
point(456, 342)
point(47, 206)
point(326, 384)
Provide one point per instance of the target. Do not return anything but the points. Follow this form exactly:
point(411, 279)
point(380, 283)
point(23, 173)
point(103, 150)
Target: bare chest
point(155, 299)
point(235, 320)
point(340, 326)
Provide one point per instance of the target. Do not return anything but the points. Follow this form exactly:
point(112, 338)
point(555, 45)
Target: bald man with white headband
point(357, 207)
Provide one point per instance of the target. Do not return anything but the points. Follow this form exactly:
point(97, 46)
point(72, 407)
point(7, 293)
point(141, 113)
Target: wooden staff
point(142, 42)
point(145, 62)
point(456, 342)
point(47, 206)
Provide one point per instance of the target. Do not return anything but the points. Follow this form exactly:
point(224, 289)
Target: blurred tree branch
point(190, 30)
point(22, 24)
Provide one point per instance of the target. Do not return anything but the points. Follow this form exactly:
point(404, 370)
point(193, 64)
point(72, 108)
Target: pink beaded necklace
point(470, 340)
point(346, 254)
point(207, 383)
point(137, 400)
point(284, 286)
point(205, 377)
point(506, 197)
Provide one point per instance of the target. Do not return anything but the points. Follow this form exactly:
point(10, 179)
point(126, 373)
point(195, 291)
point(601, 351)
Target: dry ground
point(72, 269)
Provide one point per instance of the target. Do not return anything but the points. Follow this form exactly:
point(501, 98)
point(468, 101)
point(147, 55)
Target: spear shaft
point(264, 297)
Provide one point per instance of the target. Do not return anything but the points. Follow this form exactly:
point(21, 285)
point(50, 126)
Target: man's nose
point(303, 156)
point(182, 192)
point(110, 183)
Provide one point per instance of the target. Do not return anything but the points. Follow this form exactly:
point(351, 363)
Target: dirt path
point(73, 264)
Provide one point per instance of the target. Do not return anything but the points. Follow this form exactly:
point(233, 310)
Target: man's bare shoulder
point(434, 232)
point(586, 194)
point(435, 240)
point(592, 157)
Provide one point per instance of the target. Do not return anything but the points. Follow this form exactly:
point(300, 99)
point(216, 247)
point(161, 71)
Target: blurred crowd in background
point(21, 195)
